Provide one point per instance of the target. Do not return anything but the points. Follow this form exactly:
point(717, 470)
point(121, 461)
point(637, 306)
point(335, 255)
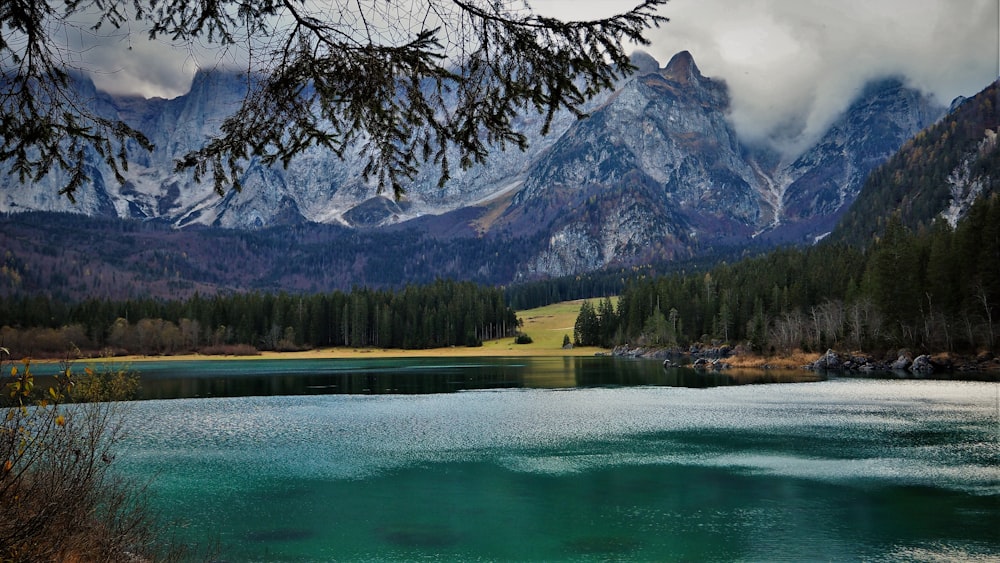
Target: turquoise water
point(845, 469)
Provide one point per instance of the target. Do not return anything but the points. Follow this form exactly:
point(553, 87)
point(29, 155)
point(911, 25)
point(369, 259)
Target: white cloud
point(791, 65)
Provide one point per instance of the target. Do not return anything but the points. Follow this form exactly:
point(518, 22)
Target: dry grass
point(795, 360)
point(494, 209)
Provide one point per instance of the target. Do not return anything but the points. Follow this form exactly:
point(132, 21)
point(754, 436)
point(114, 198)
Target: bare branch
point(401, 86)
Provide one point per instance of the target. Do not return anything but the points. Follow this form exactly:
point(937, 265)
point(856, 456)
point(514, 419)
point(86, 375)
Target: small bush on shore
point(60, 500)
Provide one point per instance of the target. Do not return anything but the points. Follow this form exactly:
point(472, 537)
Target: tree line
point(445, 313)
point(935, 288)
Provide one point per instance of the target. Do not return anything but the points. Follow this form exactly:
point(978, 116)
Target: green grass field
point(547, 325)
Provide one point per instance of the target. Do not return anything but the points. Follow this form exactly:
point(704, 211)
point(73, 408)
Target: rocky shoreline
point(905, 361)
point(697, 356)
point(715, 357)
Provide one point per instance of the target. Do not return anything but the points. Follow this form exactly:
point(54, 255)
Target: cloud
point(793, 67)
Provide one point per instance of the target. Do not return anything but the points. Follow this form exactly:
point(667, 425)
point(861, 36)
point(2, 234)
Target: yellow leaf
point(89, 372)
point(53, 393)
point(60, 420)
point(13, 371)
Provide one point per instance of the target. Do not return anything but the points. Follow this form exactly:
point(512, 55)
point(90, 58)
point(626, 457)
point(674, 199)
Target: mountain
point(937, 173)
point(656, 172)
point(825, 180)
point(659, 172)
point(316, 186)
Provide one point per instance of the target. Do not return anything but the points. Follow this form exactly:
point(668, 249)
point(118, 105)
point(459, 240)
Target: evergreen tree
point(346, 75)
point(587, 329)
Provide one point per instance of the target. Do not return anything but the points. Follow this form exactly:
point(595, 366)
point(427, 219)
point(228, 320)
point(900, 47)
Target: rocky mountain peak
point(656, 171)
point(644, 63)
point(682, 69)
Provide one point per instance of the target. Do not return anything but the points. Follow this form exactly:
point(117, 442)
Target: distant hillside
point(75, 257)
point(938, 173)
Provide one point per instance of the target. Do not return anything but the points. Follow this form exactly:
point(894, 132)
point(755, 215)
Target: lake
point(566, 459)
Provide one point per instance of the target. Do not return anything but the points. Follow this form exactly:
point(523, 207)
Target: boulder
point(830, 360)
point(903, 362)
point(922, 364)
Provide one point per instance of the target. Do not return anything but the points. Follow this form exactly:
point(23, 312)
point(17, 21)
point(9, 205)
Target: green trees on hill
point(596, 326)
point(445, 313)
point(935, 288)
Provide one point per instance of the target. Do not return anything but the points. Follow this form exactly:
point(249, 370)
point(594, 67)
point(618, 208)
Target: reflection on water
point(426, 376)
point(244, 378)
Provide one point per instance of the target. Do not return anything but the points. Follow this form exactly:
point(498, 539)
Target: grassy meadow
point(545, 325)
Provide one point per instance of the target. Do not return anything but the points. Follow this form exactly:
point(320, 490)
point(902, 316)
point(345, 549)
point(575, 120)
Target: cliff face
point(656, 171)
point(827, 178)
point(316, 187)
point(938, 173)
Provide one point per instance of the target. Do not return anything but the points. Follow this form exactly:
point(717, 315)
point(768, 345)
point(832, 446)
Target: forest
point(935, 288)
point(441, 314)
point(71, 257)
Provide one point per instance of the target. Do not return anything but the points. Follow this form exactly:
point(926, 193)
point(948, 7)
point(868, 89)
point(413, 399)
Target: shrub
point(523, 339)
point(60, 499)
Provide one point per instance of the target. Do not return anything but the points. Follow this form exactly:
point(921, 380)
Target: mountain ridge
point(656, 171)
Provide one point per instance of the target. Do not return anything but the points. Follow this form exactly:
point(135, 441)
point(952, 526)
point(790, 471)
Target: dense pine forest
point(935, 289)
point(441, 314)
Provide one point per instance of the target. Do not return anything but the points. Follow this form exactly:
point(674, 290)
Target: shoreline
point(506, 348)
point(489, 349)
point(724, 357)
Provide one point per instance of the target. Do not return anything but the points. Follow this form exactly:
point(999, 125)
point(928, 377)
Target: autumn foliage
point(60, 499)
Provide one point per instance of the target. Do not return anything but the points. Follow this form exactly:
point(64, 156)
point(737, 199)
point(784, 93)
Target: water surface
point(843, 469)
point(171, 379)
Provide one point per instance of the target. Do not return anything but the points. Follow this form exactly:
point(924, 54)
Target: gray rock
point(831, 360)
point(656, 169)
point(922, 364)
point(903, 363)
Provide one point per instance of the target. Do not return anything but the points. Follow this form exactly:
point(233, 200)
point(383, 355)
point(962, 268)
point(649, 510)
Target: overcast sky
point(791, 65)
